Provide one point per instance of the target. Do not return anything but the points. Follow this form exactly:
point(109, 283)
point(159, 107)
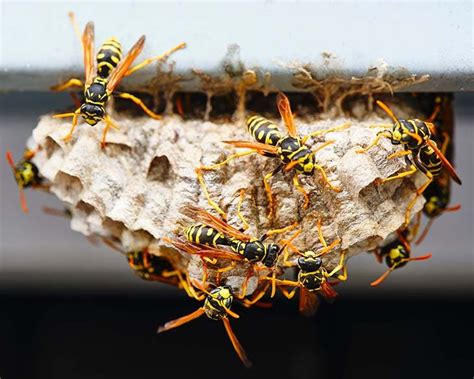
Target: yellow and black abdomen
point(429, 161)
point(108, 57)
point(263, 130)
point(205, 235)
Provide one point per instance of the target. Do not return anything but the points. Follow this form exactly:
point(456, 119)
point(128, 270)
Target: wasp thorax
point(273, 250)
point(255, 251)
point(309, 262)
point(290, 150)
point(217, 302)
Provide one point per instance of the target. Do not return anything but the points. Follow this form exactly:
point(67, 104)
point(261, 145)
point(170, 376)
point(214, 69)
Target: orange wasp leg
point(161, 57)
point(139, 102)
point(202, 183)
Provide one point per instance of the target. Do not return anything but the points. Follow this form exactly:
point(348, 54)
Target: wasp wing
point(328, 292)
point(308, 302)
point(284, 108)
point(201, 250)
point(123, 66)
point(206, 218)
point(261, 148)
point(447, 165)
point(90, 63)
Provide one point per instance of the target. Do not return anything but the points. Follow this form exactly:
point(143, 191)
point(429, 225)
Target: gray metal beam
point(38, 46)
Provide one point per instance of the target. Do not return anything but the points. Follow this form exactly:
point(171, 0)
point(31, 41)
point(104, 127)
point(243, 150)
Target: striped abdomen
point(205, 235)
point(263, 130)
point(108, 57)
point(430, 160)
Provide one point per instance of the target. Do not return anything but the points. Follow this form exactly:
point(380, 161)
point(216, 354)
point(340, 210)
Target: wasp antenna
point(387, 110)
point(10, 160)
point(382, 277)
point(425, 232)
point(24, 205)
point(421, 258)
point(454, 208)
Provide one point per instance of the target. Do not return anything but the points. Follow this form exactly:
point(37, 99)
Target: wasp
point(103, 74)
point(26, 175)
point(289, 149)
point(210, 237)
point(437, 198)
point(150, 265)
point(438, 195)
point(217, 306)
point(416, 138)
point(313, 277)
point(396, 254)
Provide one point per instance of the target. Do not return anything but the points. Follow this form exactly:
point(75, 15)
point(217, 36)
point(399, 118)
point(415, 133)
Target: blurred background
point(69, 308)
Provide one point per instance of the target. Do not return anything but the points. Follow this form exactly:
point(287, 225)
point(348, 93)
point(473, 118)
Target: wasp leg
point(416, 227)
point(411, 171)
point(278, 231)
point(239, 213)
point(256, 296)
point(289, 294)
point(268, 190)
point(108, 124)
point(299, 188)
point(245, 284)
point(224, 269)
point(340, 266)
point(153, 59)
point(445, 145)
point(325, 178)
point(289, 283)
point(184, 284)
point(322, 132)
point(375, 142)
point(400, 153)
point(200, 178)
point(70, 83)
point(74, 116)
point(435, 113)
point(419, 192)
point(136, 100)
point(287, 246)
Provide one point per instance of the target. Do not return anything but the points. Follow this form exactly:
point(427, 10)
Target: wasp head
point(26, 174)
point(396, 255)
point(273, 250)
point(310, 262)
point(92, 113)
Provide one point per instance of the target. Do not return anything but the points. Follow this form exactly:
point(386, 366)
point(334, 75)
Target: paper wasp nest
point(134, 188)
